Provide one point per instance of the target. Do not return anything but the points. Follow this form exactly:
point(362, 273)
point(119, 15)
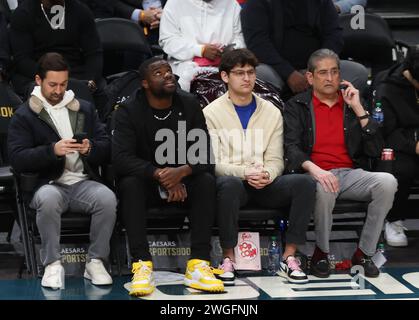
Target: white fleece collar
point(37, 101)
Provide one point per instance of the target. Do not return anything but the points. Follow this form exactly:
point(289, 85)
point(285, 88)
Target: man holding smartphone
point(329, 135)
point(41, 140)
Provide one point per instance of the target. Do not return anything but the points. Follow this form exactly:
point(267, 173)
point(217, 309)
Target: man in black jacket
point(146, 167)
point(38, 27)
point(283, 34)
point(400, 101)
point(40, 141)
point(327, 132)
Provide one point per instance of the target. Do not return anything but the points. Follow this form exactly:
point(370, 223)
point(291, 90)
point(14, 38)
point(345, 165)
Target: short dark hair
point(51, 61)
point(321, 54)
point(143, 69)
point(237, 57)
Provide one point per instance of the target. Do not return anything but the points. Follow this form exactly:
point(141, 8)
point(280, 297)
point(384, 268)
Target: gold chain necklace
point(163, 118)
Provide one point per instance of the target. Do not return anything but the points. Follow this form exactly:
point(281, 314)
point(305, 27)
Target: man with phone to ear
point(328, 134)
point(41, 140)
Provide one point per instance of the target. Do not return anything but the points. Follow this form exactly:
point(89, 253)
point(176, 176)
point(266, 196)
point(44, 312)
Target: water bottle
point(381, 248)
point(377, 113)
point(274, 256)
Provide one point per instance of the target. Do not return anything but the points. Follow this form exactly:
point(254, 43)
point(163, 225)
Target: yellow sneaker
point(142, 282)
point(200, 276)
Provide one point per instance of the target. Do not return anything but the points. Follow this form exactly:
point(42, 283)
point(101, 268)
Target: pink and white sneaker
point(226, 272)
point(290, 269)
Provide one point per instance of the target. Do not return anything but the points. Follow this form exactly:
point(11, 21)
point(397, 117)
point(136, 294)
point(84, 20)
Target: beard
point(163, 92)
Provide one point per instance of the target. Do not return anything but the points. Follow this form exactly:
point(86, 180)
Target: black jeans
point(136, 195)
point(296, 191)
point(406, 170)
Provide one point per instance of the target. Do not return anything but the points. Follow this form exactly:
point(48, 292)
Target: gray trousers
point(89, 197)
point(356, 184)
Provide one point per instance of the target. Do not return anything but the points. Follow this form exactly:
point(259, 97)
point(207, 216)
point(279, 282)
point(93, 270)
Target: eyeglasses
point(241, 73)
point(326, 73)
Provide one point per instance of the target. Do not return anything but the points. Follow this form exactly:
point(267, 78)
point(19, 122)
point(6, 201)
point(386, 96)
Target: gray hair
point(320, 55)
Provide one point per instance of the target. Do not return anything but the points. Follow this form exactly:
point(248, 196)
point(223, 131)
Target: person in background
point(194, 34)
point(283, 34)
point(147, 13)
point(400, 102)
point(36, 28)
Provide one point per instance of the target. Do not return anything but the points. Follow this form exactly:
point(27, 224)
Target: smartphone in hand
point(164, 194)
point(80, 137)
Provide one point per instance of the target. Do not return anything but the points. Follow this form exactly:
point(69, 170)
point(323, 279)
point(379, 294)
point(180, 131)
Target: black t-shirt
point(167, 120)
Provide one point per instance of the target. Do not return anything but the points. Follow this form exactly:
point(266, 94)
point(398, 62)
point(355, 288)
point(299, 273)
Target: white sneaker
point(394, 234)
point(96, 272)
point(53, 276)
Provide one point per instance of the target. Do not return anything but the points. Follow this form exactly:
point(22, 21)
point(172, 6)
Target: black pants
point(406, 170)
point(296, 191)
point(137, 195)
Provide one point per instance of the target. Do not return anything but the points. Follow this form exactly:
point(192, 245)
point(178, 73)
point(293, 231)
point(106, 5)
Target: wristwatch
point(365, 116)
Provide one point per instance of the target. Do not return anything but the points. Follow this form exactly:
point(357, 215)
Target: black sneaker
point(320, 268)
point(290, 269)
point(370, 269)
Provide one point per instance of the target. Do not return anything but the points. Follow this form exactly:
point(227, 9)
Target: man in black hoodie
point(400, 100)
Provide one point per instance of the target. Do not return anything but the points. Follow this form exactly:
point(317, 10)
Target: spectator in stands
point(4, 46)
point(101, 8)
point(36, 28)
point(7, 96)
point(143, 172)
point(345, 6)
point(253, 174)
point(400, 100)
point(41, 141)
point(283, 34)
point(327, 132)
point(194, 34)
point(145, 12)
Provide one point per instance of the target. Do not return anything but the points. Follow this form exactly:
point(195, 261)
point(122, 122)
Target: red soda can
point(387, 154)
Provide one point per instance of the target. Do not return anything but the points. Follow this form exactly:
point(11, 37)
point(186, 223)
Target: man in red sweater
point(328, 134)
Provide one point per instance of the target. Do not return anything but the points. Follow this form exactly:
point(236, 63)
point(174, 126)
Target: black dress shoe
point(370, 269)
point(320, 268)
